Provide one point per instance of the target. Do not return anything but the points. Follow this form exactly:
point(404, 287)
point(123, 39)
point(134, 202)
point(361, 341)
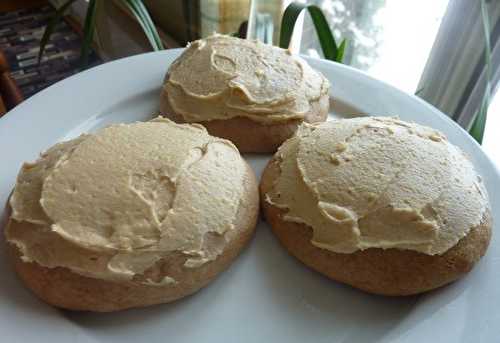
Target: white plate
point(266, 295)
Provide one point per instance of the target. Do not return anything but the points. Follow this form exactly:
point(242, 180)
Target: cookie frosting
point(221, 77)
point(110, 205)
point(378, 182)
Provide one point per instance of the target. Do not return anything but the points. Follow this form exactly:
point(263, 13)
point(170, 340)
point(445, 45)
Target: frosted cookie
point(251, 93)
point(386, 206)
point(133, 215)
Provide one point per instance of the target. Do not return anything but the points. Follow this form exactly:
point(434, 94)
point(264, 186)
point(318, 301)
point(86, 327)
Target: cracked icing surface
point(222, 77)
point(111, 204)
point(378, 183)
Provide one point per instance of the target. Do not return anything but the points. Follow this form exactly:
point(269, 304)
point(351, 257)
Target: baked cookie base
point(391, 272)
point(249, 135)
point(66, 289)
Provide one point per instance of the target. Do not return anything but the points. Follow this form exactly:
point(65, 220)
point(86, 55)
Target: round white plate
point(266, 295)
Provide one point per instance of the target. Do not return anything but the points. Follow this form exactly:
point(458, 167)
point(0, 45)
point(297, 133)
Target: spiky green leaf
point(479, 123)
point(137, 8)
point(88, 33)
point(328, 44)
point(341, 51)
point(51, 25)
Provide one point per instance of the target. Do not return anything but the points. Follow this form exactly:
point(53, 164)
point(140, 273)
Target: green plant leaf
point(479, 122)
point(341, 51)
point(132, 7)
point(151, 24)
point(88, 33)
point(328, 44)
point(419, 91)
point(51, 25)
point(140, 12)
point(478, 125)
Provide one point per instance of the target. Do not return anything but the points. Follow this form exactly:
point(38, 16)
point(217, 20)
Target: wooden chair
point(10, 94)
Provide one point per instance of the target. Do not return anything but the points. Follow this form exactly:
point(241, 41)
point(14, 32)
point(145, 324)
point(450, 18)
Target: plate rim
point(11, 116)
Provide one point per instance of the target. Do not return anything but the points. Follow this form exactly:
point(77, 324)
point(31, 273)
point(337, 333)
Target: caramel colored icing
point(111, 204)
point(378, 183)
point(222, 77)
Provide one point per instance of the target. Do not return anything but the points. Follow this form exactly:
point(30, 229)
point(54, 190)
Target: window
point(389, 39)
